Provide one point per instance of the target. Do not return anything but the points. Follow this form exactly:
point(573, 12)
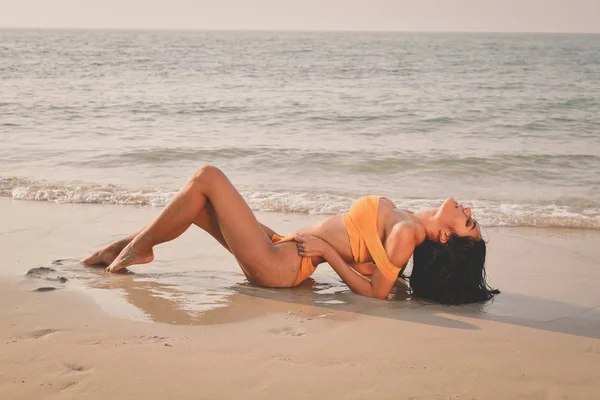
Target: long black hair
point(451, 273)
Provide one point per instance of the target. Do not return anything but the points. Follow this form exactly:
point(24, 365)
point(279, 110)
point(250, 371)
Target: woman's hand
point(311, 246)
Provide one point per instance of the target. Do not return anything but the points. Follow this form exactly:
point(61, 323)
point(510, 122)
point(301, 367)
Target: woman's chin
point(449, 203)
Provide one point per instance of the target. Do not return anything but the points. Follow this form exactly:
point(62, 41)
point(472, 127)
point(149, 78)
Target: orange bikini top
point(361, 224)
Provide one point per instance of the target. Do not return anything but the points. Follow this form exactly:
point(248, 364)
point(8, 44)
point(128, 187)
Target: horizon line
point(95, 28)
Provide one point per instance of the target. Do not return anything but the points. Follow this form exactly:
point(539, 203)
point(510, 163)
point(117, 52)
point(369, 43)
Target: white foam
point(488, 213)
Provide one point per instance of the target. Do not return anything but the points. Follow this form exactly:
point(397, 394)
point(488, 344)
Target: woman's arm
point(378, 286)
point(365, 268)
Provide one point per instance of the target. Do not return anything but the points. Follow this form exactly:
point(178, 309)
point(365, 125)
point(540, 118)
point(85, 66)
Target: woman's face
point(457, 218)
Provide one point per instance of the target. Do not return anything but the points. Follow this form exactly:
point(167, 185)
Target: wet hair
point(451, 273)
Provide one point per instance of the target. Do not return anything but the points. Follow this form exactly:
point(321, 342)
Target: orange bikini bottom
point(306, 267)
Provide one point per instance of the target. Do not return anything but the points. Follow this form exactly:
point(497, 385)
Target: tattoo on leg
point(128, 257)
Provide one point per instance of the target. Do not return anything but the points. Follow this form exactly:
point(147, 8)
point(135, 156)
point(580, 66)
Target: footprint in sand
point(154, 339)
point(37, 334)
point(73, 375)
point(288, 331)
point(45, 289)
point(288, 360)
point(41, 333)
point(67, 385)
point(76, 367)
point(165, 340)
point(46, 273)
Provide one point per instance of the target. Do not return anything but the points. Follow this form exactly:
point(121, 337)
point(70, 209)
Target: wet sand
point(188, 326)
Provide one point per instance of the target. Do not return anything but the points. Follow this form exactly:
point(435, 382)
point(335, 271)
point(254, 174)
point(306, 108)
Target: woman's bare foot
point(130, 255)
point(106, 255)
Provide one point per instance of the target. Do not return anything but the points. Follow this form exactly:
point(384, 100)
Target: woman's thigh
point(284, 271)
point(263, 262)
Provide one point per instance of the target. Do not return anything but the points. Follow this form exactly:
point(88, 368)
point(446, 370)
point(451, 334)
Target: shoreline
point(193, 275)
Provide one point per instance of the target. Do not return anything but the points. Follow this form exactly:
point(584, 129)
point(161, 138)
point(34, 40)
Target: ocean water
point(307, 122)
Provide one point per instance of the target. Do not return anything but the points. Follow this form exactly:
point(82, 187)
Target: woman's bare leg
point(108, 254)
point(206, 220)
point(239, 228)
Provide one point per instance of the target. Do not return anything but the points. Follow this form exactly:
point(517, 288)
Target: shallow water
point(173, 293)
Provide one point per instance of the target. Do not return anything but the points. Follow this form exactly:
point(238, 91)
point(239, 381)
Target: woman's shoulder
point(406, 230)
point(385, 202)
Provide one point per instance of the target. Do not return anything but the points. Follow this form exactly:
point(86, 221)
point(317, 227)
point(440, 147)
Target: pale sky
point(384, 15)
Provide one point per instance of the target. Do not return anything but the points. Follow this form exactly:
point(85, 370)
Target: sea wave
point(355, 161)
point(568, 213)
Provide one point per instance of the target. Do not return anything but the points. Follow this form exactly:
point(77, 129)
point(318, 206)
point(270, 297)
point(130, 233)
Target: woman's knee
point(207, 173)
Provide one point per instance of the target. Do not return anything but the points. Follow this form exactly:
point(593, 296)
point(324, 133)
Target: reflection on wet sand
point(210, 297)
point(242, 301)
point(170, 303)
point(203, 297)
point(181, 304)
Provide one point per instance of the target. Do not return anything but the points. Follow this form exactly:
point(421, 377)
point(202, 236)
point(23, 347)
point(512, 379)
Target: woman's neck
point(429, 224)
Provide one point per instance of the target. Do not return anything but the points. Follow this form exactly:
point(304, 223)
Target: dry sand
point(538, 340)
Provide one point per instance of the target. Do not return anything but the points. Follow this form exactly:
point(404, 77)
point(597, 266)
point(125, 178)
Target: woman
point(375, 238)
